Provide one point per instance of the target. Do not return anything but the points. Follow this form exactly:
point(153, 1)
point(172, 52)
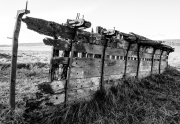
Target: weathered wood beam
point(60, 44)
point(17, 27)
point(51, 28)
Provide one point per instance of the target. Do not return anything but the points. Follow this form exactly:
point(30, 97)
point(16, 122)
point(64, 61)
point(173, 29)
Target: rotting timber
point(90, 61)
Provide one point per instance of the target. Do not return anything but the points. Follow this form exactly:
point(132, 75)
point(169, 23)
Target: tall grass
point(152, 100)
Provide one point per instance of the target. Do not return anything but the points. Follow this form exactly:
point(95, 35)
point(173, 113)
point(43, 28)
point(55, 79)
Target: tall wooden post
point(102, 64)
point(160, 61)
point(152, 61)
point(17, 27)
point(139, 60)
point(126, 59)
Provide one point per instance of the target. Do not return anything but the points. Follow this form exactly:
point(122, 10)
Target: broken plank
point(59, 44)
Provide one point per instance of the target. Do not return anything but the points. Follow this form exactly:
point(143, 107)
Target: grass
point(152, 100)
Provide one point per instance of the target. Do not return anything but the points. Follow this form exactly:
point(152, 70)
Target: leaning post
point(17, 27)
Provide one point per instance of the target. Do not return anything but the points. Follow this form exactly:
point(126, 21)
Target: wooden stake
point(17, 27)
point(152, 62)
point(160, 61)
point(102, 65)
point(139, 60)
point(126, 58)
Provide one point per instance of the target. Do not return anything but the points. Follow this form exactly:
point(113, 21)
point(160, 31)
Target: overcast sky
point(155, 19)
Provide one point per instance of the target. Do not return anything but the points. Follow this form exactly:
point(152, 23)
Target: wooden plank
point(163, 64)
point(58, 44)
point(114, 70)
point(84, 72)
point(134, 47)
point(158, 51)
point(86, 62)
point(112, 67)
point(82, 92)
point(145, 66)
point(84, 83)
point(132, 54)
point(146, 55)
point(122, 43)
point(57, 98)
point(48, 28)
point(156, 65)
point(115, 51)
point(88, 48)
point(132, 66)
point(59, 60)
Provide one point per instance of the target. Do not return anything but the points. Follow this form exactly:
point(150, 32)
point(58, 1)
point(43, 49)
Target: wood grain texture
point(163, 64)
point(115, 51)
point(145, 66)
point(58, 44)
point(132, 66)
point(57, 98)
point(16, 32)
point(88, 48)
point(83, 92)
point(132, 54)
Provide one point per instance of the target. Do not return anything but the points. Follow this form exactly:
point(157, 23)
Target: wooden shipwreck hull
point(91, 63)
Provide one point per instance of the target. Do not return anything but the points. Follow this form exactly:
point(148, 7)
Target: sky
point(154, 19)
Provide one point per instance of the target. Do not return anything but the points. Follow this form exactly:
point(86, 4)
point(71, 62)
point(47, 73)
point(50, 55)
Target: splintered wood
point(125, 55)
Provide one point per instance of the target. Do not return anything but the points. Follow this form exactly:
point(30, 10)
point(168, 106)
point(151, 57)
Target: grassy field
point(152, 100)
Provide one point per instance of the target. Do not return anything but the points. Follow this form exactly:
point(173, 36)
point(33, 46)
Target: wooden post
point(17, 27)
point(54, 68)
point(69, 67)
point(126, 59)
point(160, 61)
point(102, 65)
point(139, 60)
point(152, 62)
point(167, 59)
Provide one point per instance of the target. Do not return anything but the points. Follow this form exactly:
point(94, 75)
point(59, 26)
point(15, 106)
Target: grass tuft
point(151, 100)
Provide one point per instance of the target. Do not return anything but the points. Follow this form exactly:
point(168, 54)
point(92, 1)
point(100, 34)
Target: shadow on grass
point(152, 100)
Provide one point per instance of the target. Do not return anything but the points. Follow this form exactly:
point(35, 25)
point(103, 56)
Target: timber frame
point(91, 61)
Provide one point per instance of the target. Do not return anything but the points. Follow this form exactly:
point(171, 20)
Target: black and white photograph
point(90, 62)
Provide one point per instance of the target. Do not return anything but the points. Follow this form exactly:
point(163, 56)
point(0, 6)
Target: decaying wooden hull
point(125, 55)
